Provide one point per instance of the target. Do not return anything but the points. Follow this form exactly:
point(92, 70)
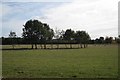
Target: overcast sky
point(97, 17)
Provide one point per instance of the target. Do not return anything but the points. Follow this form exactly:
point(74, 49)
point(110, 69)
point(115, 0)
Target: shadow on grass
point(37, 48)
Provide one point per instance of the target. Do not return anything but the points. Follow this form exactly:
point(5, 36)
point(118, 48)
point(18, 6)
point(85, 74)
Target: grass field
point(92, 62)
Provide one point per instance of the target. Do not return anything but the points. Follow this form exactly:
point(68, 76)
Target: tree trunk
point(13, 46)
point(57, 46)
point(35, 46)
point(66, 45)
point(71, 46)
point(41, 46)
point(32, 46)
point(84, 46)
point(51, 46)
point(45, 46)
point(81, 45)
point(78, 45)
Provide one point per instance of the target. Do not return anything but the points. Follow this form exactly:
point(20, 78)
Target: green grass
point(91, 62)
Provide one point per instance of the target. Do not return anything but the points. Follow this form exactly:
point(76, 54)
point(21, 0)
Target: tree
point(47, 34)
point(35, 31)
point(117, 39)
point(101, 40)
point(82, 38)
point(12, 36)
point(69, 36)
point(31, 31)
point(58, 36)
point(108, 40)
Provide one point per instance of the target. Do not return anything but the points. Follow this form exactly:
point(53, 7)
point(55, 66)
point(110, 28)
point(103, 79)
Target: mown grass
point(92, 62)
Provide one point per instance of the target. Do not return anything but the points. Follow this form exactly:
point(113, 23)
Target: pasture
point(93, 62)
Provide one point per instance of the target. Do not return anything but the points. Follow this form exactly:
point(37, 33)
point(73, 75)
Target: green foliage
point(82, 37)
point(69, 35)
point(35, 31)
point(108, 40)
point(32, 30)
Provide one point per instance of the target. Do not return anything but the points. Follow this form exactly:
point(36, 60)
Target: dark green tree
point(108, 40)
point(101, 40)
point(69, 36)
point(47, 34)
point(82, 38)
point(118, 39)
point(35, 31)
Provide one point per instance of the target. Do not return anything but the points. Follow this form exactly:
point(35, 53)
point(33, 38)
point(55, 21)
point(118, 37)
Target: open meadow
point(98, 61)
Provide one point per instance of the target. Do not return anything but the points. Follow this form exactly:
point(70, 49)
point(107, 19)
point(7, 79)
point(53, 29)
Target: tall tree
point(69, 36)
point(82, 38)
point(35, 31)
point(101, 40)
point(108, 40)
point(118, 39)
point(47, 34)
point(12, 36)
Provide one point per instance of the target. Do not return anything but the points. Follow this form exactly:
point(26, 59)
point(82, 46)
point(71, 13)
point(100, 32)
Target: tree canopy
point(35, 31)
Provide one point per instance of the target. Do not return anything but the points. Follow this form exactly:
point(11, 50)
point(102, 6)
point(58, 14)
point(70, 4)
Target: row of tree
point(107, 40)
point(20, 40)
point(36, 32)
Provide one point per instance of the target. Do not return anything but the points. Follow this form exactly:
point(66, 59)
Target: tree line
point(35, 32)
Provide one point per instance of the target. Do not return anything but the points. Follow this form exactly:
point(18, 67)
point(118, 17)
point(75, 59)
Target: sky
point(96, 17)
